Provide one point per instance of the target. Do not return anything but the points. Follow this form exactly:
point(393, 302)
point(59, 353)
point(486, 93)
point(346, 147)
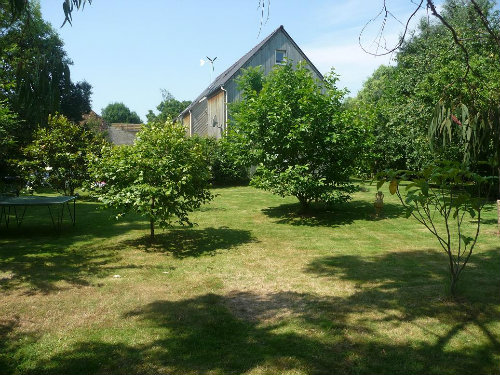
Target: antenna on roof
point(212, 63)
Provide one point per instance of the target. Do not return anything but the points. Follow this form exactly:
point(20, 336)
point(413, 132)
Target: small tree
point(298, 133)
point(58, 155)
point(163, 175)
point(441, 197)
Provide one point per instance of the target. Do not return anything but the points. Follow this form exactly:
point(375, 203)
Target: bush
point(224, 165)
point(58, 155)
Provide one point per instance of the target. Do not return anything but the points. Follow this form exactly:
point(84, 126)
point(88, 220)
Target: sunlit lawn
point(254, 288)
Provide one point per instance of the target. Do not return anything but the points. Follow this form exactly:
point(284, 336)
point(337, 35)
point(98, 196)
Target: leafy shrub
point(164, 175)
point(58, 155)
point(224, 165)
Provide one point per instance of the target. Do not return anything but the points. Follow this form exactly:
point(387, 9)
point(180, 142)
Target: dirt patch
point(253, 306)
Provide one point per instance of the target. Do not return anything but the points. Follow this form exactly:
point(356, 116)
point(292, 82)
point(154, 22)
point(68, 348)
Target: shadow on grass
point(407, 275)
point(11, 342)
point(340, 214)
point(289, 332)
point(37, 256)
point(189, 242)
point(412, 283)
point(275, 333)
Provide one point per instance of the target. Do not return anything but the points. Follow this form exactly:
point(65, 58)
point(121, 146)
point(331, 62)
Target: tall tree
point(9, 140)
point(20, 8)
point(35, 71)
point(429, 66)
point(75, 102)
point(169, 108)
point(119, 112)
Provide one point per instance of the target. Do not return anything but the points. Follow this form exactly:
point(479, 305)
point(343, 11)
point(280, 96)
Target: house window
point(280, 56)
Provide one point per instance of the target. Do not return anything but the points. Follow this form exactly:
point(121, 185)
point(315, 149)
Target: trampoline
point(17, 206)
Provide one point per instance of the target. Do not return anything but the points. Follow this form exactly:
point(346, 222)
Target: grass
point(255, 288)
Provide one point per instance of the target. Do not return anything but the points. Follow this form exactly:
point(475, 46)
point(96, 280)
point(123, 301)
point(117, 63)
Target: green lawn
point(254, 288)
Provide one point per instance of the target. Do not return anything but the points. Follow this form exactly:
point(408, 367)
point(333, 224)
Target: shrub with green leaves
point(58, 155)
point(445, 198)
point(163, 175)
point(298, 133)
point(226, 168)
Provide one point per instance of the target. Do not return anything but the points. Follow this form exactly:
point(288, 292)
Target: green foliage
point(363, 118)
point(76, 101)
point(163, 175)
point(34, 72)
point(226, 167)
point(9, 128)
point(20, 8)
point(430, 66)
point(443, 197)
point(119, 112)
point(58, 156)
point(251, 81)
point(169, 108)
point(298, 133)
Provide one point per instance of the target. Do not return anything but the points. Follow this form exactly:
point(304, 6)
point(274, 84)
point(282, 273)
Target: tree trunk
point(152, 227)
point(304, 203)
point(498, 215)
point(453, 286)
point(151, 220)
point(498, 197)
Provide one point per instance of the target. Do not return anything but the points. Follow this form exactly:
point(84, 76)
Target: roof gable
point(233, 69)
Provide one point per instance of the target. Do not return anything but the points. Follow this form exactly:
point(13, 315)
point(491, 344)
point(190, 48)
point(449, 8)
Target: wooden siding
point(265, 57)
point(200, 118)
point(206, 110)
point(216, 115)
point(186, 122)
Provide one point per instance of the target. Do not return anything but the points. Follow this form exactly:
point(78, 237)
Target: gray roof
point(233, 69)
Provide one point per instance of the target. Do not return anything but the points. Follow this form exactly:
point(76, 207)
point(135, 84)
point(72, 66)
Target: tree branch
point(432, 7)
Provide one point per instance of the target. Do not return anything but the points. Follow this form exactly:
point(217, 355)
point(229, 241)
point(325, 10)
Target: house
point(123, 133)
point(116, 133)
point(207, 114)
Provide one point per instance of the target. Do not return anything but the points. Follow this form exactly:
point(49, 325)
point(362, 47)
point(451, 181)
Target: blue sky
point(129, 50)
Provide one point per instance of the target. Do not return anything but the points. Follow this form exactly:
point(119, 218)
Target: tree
point(163, 175)
point(299, 134)
point(465, 44)
point(58, 156)
point(430, 66)
point(35, 72)
point(75, 101)
point(9, 148)
point(119, 112)
point(443, 197)
point(169, 108)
